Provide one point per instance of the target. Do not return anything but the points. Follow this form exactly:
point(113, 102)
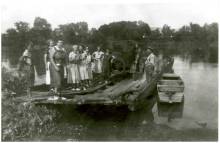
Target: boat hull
point(170, 89)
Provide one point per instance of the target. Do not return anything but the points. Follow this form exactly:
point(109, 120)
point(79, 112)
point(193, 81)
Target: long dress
point(73, 70)
point(107, 66)
point(48, 65)
point(82, 66)
point(98, 61)
point(59, 59)
point(89, 66)
point(27, 68)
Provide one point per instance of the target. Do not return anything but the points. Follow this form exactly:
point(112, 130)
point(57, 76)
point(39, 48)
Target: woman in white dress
point(47, 62)
point(82, 68)
point(74, 75)
point(98, 59)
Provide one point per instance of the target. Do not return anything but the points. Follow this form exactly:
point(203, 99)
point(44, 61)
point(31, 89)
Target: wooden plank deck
point(107, 95)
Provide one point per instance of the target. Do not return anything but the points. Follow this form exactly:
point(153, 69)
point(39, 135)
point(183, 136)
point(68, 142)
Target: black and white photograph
point(80, 70)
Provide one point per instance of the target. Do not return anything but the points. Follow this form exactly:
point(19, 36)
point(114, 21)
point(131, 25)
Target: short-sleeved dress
point(89, 66)
point(82, 66)
point(73, 70)
point(98, 61)
point(59, 59)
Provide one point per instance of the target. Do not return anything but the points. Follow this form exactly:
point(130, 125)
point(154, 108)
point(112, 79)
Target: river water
point(201, 94)
point(199, 121)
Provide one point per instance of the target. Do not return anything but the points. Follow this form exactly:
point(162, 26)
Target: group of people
point(78, 66)
point(147, 64)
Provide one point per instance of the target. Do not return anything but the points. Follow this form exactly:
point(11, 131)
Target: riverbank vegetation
point(190, 40)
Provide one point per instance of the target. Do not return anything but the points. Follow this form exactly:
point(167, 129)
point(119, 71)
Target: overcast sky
point(156, 14)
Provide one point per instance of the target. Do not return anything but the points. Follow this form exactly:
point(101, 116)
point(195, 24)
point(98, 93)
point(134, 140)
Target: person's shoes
point(73, 89)
point(77, 89)
point(84, 88)
point(55, 97)
point(63, 98)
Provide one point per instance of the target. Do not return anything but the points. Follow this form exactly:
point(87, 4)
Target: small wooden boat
point(170, 88)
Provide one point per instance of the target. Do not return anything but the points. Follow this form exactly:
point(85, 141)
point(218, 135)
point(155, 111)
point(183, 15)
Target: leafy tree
point(41, 31)
point(155, 34)
point(167, 32)
point(191, 39)
point(16, 40)
point(72, 33)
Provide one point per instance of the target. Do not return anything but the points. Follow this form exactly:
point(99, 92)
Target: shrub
point(22, 121)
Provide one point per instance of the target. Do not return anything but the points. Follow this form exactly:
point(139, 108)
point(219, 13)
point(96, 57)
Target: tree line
point(192, 39)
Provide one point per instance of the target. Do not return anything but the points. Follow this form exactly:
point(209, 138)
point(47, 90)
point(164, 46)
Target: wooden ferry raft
point(128, 92)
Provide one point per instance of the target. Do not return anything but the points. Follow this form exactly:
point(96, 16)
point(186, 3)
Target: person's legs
point(55, 90)
point(73, 86)
point(52, 78)
point(58, 81)
point(100, 77)
point(88, 83)
point(29, 75)
point(77, 86)
point(29, 92)
point(84, 84)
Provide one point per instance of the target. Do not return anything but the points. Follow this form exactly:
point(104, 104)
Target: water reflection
point(201, 95)
point(171, 111)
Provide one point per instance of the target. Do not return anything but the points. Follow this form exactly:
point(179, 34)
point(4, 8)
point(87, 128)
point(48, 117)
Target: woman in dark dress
point(26, 67)
point(57, 62)
point(107, 64)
